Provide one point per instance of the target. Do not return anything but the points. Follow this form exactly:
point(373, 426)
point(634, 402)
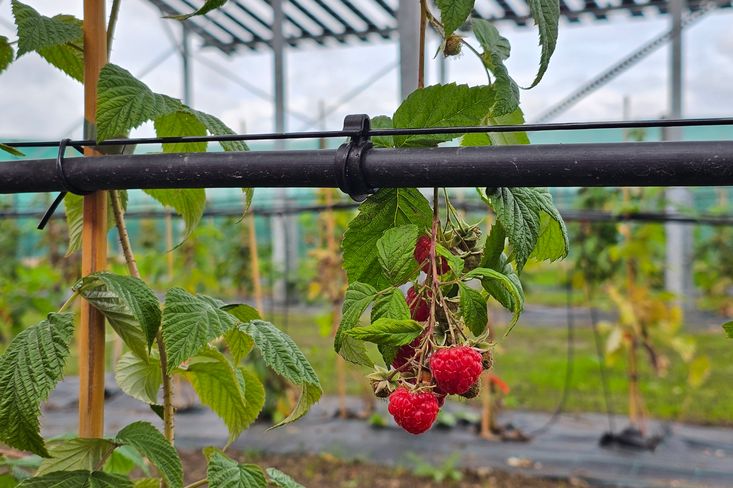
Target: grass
point(532, 361)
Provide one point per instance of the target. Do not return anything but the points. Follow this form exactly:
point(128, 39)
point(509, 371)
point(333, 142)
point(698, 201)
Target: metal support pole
point(186, 64)
point(408, 26)
point(678, 271)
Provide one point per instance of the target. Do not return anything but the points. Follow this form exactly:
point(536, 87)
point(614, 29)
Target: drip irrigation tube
point(557, 165)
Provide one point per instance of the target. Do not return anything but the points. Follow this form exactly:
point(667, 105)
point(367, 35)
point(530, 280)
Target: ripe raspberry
point(422, 256)
point(414, 412)
point(456, 369)
point(404, 353)
point(419, 307)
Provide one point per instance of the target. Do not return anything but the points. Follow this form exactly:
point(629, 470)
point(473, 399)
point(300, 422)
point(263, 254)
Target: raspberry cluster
point(438, 362)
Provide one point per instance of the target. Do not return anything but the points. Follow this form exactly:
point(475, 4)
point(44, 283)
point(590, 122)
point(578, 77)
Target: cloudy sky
point(39, 102)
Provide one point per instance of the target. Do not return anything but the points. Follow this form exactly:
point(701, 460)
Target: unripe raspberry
point(473, 391)
point(452, 46)
point(456, 369)
point(422, 256)
point(414, 412)
point(419, 306)
point(487, 360)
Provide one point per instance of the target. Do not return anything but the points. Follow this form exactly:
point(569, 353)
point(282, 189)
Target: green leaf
point(546, 15)
point(395, 251)
point(473, 309)
point(391, 306)
point(144, 437)
point(75, 454)
point(519, 210)
point(124, 460)
point(30, 368)
point(508, 283)
point(254, 394)
point(282, 355)
point(499, 138)
point(189, 203)
point(441, 106)
point(728, 328)
point(138, 377)
point(249, 193)
point(147, 483)
point(189, 323)
point(455, 263)
point(207, 7)
point(179, 124)
point(496, 51)
point(11, 150)
point(124, 103)
point(387, 208)
point(454, 13)
point(68, 57)
point(36, 31)
point(219, 387)
point(356, 300)
point(7, 54)
point(218, 128)
point(382, 122)
point(388, 331)
point(131, 308)
point(226, 473)
point(77, 479)
point(282, 480)
point(239, 343)
point(74, 205)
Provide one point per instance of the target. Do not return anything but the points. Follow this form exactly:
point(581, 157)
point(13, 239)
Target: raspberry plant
point(435, 341)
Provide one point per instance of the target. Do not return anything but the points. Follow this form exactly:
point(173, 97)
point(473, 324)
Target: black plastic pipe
point(555, 165)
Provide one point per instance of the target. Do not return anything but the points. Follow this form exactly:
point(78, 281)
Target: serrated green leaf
point(77, 479)
point(131, 308)
point(728, 328)
point(30, 368)
point(356, 300)
point(455, 263)
point(496, 51)
point(473, 309)
point(282, 480)
point(391, 306)
point(223, 472)
point(441, 106)
point(11, 150)
point(144, 437)
point(218, 128)
point(382, 122)
point(189, 323)
point(74, 206)
point(499, 138)
point(388, 331)
point(179, 124)
point(395, 251)
point(139, 378)
point(68, 57)
point(254, 394)
point(75, 454)
point(206, 8)
point(519, 211)
point(387, 208)
point(508, 283)
point(281, 354)
point(189, 203)
point(124, 103)
point(124, 460)
point(36, 31)
point(454, 13)
point(218, 385)
point(7, 54)
point(239, 343)
point(546, 15)
point(249, 193)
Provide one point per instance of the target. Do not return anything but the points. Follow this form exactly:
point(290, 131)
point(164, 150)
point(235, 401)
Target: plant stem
point(168, 412)
point(421, 51)
point(68, 302)
point(113, 16)
point(197, 483)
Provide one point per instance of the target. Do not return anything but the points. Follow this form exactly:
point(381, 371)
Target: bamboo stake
point(94, 237)
point(169, 245)
point(254, 260)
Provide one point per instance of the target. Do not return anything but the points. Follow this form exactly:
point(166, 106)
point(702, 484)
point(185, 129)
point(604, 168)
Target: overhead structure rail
point(248, 23)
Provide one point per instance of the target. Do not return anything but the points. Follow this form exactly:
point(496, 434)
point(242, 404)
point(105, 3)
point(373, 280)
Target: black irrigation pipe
point(357, 169)
point(566, 126)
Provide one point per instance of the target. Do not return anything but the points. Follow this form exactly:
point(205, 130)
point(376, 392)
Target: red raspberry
point(422, 256)
point(419, 307)
point(456, 369)
point(440, 396)
point(414, 412)
point(404, 353)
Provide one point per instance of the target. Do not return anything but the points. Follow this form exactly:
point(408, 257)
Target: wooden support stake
point(94, 237)
point(254, 260)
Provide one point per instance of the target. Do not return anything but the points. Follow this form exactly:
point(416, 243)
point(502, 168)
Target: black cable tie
point(65, 183)
point(350, 157)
